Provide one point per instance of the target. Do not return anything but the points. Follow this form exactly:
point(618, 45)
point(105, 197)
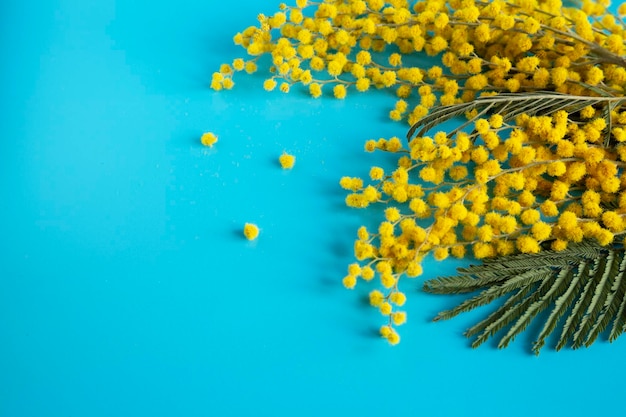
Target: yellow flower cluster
point(500, 189)
point(503, 185)
point(497, 46)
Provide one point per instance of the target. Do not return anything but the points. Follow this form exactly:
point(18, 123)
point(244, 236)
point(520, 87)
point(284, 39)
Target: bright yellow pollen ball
point(250, 231)
point(287, 161)
point(208, 139)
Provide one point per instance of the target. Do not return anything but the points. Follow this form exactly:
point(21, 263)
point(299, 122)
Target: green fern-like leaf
point(505, 315)
point(611, 304)
point(584, 288)
point(561, 304)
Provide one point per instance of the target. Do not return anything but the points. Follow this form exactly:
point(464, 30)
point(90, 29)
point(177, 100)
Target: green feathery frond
point(618, 321)
point(497, 291)
point(535, 308)
point(506, 316)
point(583, 286)
point(569, 328)
point(561, 305)
point(611, 305)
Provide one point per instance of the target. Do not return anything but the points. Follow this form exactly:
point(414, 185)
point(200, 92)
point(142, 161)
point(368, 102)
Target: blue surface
point(126, 288)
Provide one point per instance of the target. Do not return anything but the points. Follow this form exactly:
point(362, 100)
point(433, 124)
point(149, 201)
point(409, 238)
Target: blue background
point(126, 287)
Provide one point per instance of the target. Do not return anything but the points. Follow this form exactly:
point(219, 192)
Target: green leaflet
point(583, 287)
